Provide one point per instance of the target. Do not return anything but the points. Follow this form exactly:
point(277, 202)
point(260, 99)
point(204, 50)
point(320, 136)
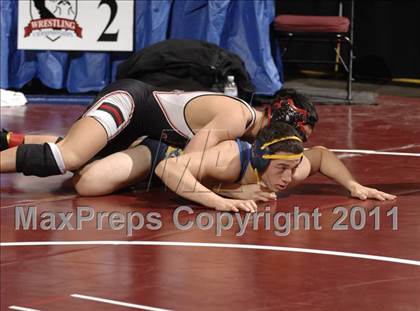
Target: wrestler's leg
point(85, 138)
point(8, 160)
point(40, 139)
point(9, 139)
point(114, 172)
point(108, 119)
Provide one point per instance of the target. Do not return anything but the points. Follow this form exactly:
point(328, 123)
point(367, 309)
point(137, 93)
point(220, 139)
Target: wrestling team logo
point(53, 19)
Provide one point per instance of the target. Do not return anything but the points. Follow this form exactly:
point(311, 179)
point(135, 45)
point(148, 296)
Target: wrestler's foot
point(9, 139)
point(4, 139)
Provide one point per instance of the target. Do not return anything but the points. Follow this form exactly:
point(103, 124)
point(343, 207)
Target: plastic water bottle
point(230, 87)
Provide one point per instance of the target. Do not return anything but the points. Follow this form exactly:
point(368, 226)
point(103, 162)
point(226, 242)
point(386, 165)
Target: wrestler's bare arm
point(184, 174)
point(320, 159)
point(254, 191)
point(229, 124)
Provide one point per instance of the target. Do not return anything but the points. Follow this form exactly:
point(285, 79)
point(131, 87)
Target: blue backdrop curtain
point(239, 26)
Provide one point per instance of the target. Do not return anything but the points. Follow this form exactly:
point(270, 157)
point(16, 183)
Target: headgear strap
point(281, 156)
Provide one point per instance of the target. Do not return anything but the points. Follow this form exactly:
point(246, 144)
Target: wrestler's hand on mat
point(252, 192)
point(363, 193)
point(230, 205)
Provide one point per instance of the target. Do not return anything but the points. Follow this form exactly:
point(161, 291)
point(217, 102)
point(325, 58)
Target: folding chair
point(332, 29)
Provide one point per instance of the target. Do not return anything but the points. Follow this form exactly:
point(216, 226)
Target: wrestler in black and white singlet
point(129, 109)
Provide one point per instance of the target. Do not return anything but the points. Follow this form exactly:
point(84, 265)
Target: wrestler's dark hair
point(280, 130)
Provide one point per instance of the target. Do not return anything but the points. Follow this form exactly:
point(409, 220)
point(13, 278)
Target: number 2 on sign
point(114, 8)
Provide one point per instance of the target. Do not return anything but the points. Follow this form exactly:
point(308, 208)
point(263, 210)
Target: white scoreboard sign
point(84, 25)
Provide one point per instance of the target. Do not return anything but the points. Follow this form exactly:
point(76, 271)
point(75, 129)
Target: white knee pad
point(113, 111)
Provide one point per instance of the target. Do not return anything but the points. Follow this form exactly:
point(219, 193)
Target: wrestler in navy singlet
point(161, 151)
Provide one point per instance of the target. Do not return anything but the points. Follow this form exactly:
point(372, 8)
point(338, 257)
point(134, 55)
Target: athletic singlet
point(161, 151)
point(173, 105)
point(128, 109)
point(244, 155)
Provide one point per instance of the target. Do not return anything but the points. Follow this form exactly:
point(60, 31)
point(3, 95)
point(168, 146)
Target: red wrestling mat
point(339, 262)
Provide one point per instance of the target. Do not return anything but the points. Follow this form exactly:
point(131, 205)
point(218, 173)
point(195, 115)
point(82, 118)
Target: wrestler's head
point(295, 109)
point(276, 153)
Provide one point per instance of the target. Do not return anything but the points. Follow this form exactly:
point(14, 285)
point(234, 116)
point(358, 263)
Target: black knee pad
point(37, 160)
